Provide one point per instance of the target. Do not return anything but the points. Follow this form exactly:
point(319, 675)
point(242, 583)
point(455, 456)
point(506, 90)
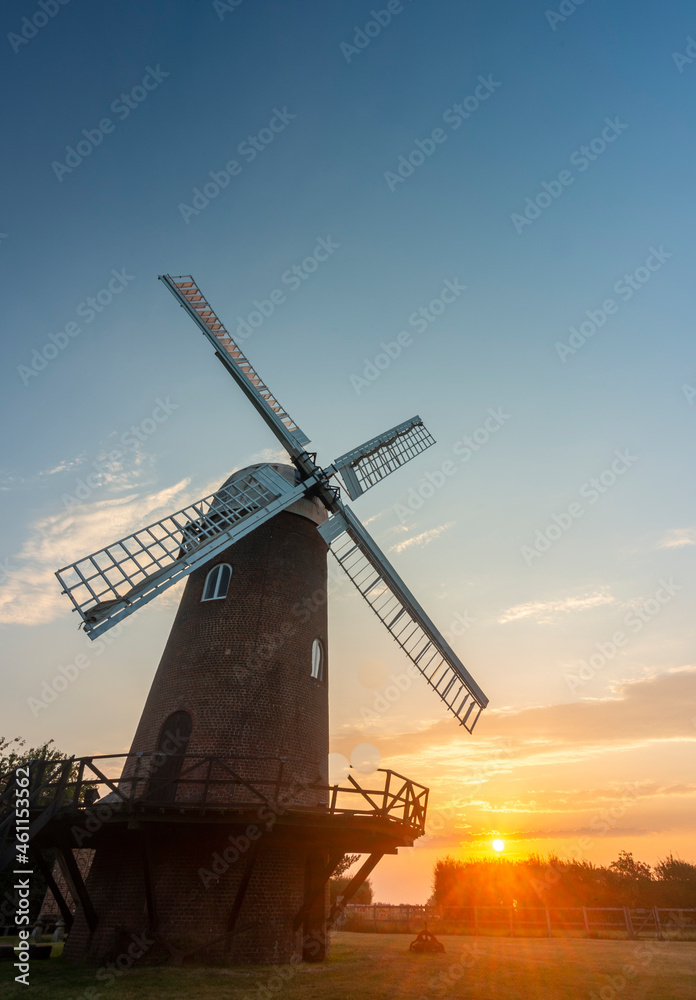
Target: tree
point(672, 869)
point(627, 867)
point(676, 882)
point(12, 756)
point(555, 882)
point(363, 896)
point(346, 862)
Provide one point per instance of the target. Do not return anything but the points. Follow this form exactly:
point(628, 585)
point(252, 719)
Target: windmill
point(233, 738)
point(115, 581)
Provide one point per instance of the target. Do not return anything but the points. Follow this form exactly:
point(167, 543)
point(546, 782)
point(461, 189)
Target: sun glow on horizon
point(498, 845)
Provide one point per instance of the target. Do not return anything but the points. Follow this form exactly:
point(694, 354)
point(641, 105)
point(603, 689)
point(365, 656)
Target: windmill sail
point(185, 289)
point(403, 617)
point(368, 464)
point(112, 583)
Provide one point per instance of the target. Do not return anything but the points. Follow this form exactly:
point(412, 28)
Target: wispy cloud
point(12, 481)
point(65, 465)
point(31, 594)
point(118, 468)
point(530, 768)
point(110, 472)
point(374, 517)
point(544, 612)
point(637, 713)
point(423, 539)
point(678, 538)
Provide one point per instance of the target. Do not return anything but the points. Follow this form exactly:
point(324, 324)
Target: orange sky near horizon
point(586, 772)
point(582, 780)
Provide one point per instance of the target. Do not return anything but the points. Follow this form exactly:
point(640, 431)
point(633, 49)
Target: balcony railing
point(193, 782)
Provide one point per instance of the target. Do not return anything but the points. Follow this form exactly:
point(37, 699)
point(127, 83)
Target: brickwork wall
point(193, 910)
point(242, 668)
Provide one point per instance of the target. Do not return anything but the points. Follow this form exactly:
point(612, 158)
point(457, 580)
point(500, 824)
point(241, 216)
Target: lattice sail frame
point(370, 463)
point(403, 617)
point(189, 295)
point(110, 583)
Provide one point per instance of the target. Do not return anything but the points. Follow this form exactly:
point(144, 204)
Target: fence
point(512, 921)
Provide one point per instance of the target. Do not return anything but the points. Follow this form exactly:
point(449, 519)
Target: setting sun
point(498, 845)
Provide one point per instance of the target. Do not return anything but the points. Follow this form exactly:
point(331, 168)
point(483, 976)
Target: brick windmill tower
point(219, 836)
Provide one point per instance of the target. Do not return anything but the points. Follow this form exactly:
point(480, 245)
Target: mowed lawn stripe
point(380, 967)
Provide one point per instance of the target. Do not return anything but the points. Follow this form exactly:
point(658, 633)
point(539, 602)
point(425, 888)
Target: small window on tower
point(217, 582)
point(317, 660)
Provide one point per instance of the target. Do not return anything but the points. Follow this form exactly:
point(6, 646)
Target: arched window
point(217, 582)
point(318, 660)
point(169, 758)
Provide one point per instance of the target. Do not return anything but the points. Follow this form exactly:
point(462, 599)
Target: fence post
point(658, 925)
point(587, 922)
point(548, 921)
point(374, 917)
point(385, 797)
point(511, 915)
point(476, 926)
point(629, 924)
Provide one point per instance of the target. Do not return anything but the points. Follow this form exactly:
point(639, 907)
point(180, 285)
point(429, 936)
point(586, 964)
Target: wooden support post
point(316, 889)
point(312, 915)
point(150, 903)
point(658, 925)
point(548, 922)
point(511, 919)
point(629, 923)
point(78, 890)
point(354, 885)
point(241, 892)
point(45, 870)
point(587, 922)
point(476, 923)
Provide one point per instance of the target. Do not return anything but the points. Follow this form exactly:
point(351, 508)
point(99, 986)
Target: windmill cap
point(310, 507)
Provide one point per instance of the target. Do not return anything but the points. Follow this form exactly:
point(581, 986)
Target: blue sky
point(219, 80)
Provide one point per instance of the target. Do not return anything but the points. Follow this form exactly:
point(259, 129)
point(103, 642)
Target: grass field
point(379, 967)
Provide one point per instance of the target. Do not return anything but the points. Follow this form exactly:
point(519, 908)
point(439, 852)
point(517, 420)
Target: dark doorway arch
point(169, 758)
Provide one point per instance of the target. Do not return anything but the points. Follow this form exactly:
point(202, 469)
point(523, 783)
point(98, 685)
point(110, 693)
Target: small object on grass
point(427, 942)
